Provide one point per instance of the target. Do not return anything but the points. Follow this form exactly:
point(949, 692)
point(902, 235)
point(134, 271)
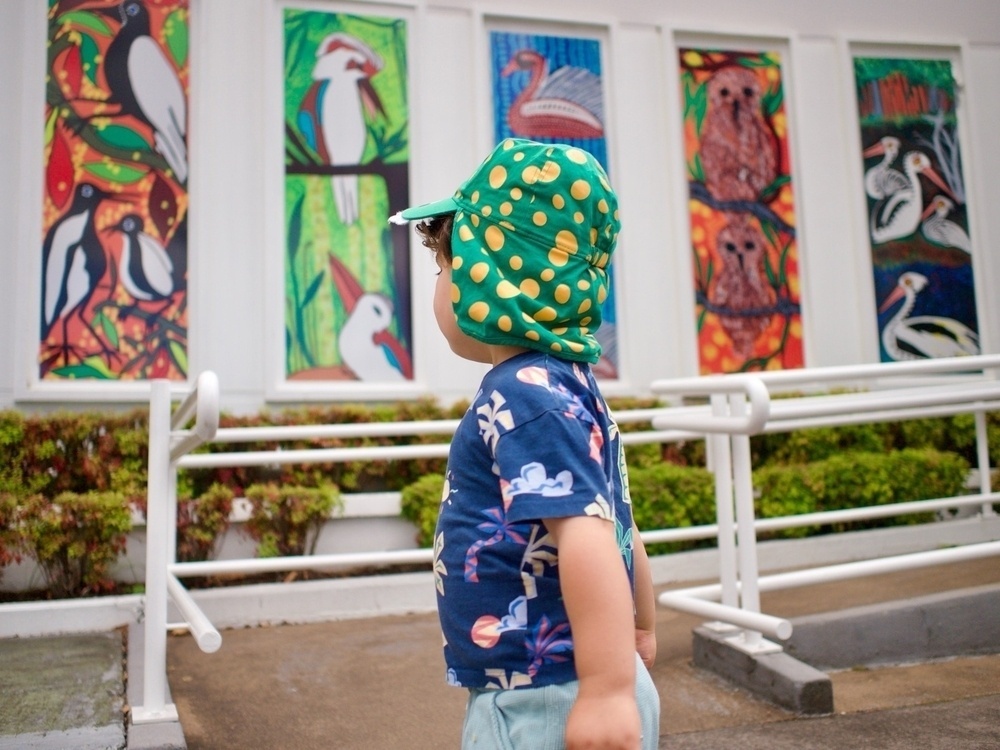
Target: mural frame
point(278, 386)
point(952, 51)
point(675, 39)
point(586, 28)
point(29, 386)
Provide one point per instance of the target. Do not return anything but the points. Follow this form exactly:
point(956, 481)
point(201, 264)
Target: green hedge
point(947, 434)
point(666, 496)
point(855, 480)
point(75, 539)
point(86, 458)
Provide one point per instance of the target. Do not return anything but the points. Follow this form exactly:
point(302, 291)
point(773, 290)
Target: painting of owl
point(741, 287)
point(738, 148)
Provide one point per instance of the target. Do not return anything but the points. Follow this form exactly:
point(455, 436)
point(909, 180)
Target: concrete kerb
point(777, 677)
point(954, 623)
point(932, 627)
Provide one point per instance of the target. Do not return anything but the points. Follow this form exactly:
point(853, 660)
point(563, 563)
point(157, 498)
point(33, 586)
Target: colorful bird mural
point(144, 84)
point(566, 103)
point(882, 180)
point(73, 264)
point(742, 210)
point(936, 227)
point(741, 289)
point(332, 114)
point(366, 345)
point(922, 336)
point(738, 149)
point(145, 267)
point(116, 129)
point(917, 212)
point(898, 215)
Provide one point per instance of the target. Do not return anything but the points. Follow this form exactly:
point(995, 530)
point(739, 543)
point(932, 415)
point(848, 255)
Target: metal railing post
point(154, 707)
point(983, 459)
point(745, 532)
point(722, 467)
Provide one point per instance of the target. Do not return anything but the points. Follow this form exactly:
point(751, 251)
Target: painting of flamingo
point(551, 89)
point(565, 103)
point(921, 251)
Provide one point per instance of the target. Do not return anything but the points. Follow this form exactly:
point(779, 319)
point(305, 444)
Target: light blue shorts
point(535, 718)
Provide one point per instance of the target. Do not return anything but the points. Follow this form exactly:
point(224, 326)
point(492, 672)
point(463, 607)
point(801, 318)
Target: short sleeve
point(553, 467)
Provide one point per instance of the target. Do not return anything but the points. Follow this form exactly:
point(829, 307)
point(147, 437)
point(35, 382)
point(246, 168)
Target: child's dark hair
point(436, 234)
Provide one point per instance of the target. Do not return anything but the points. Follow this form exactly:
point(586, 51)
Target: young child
point(544, 590)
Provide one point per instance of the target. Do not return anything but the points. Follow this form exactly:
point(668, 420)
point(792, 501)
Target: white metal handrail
point(740, 585)
point(171, 444)
point(739, 405)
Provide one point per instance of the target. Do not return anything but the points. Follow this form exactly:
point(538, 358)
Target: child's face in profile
point(464, 346)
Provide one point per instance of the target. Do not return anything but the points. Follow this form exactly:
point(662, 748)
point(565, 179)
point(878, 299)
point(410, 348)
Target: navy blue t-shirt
point(537, 442)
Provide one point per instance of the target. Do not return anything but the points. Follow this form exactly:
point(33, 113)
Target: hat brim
point(425, 211)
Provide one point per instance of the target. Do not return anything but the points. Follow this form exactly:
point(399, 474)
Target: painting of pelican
point(918, 217)
point(906, 336)
point(347, 285)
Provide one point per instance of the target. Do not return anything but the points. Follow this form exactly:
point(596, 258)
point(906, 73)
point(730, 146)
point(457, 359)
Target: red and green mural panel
point(114, 234)
point(741, 211)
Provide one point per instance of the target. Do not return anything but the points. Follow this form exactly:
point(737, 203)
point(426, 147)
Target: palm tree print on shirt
point(491, 419)
point(499, 530)
point(548, 644)
point(539, 552)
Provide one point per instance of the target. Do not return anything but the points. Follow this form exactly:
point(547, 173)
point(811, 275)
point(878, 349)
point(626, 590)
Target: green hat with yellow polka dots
point(534, 230)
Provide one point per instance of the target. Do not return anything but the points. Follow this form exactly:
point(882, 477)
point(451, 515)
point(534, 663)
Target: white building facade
point(237, 199)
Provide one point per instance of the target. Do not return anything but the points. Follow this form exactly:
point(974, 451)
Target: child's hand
point(645, 646)
point(607, 722)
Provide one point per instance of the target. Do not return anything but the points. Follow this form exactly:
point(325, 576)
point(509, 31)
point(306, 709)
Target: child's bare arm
point(645, 603)
point(598, 601)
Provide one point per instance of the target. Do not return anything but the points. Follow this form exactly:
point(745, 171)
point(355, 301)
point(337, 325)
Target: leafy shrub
point(10, 542)
point(420, 503)
point(663, 496)
point(73, 452)
point(783, 491)
point(287, 520)
point(955, 434)
point(819, 443)
point(666, 496)
point(75, 539)
point(201, 521)
point(855, 480)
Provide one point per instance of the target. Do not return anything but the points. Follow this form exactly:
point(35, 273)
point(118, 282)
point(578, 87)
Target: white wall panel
point(982, 158)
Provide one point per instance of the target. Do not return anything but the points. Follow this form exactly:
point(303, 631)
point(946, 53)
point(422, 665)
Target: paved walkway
point(377, 683)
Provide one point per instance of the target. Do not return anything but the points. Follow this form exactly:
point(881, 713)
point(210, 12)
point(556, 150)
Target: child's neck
point(500, 353)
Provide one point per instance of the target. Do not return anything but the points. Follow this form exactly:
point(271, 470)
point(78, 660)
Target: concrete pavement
point(378, 683)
